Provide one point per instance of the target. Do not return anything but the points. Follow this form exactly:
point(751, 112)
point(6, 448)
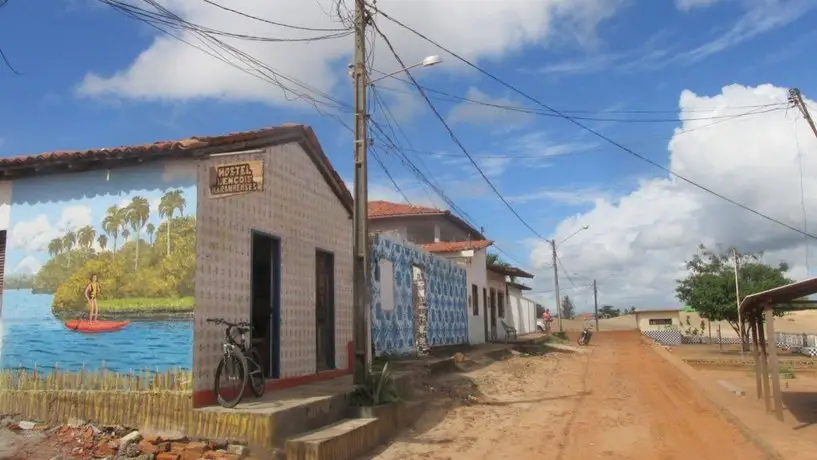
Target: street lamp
point(360, 246)
point(556, 272)
point(429, 61)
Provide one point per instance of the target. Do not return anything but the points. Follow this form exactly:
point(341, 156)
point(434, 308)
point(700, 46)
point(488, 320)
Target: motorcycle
point(584, 338)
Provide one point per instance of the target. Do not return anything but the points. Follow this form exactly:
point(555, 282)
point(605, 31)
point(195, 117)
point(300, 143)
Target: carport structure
point(760, 307)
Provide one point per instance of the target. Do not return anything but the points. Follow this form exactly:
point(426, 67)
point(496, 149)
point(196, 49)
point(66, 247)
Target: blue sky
point(35, 218)
point(92, 77)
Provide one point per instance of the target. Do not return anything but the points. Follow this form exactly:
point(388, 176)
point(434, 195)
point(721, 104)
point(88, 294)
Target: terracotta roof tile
point(77, 160)
point(389, 209)
point(454, 246)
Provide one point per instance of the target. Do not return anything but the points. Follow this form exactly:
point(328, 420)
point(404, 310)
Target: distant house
point(661, 325)
point(442, 233)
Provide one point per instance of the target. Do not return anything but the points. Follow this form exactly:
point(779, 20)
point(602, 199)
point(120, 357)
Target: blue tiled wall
point(393, 331)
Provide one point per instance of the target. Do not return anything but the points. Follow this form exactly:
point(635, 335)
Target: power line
point(522, 109)
point(451, 132)
point(597, 133)
point(279, 24)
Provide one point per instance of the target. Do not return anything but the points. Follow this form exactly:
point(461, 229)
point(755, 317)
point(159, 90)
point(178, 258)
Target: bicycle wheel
point(234, 368)
point(257, 381)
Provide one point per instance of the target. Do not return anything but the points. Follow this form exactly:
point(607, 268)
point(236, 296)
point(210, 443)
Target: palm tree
point(150, 229)
point(125, 234)
point(68, 242)
point(102, 241)
point(171, 202)
point(137, 215)
point(112, 223)
point(55, 246)
point(86, 236)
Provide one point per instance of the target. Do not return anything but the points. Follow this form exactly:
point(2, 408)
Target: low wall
point(667, 337)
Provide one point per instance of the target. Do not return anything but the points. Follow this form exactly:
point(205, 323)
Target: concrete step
point(344, 440)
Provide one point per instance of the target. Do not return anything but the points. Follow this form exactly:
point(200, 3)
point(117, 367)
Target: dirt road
point(620, 402)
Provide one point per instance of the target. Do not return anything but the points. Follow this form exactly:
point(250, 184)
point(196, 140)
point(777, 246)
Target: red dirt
point(621, 402)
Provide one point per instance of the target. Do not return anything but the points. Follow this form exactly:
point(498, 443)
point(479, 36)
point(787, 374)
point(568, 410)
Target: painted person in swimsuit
point(92, 291)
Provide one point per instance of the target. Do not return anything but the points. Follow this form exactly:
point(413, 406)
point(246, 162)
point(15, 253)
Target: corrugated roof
point(454, 246)
point(780, 295)
point(64, 161)
point(509, 270)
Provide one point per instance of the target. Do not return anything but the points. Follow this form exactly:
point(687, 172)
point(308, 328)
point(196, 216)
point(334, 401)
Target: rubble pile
point(81, 440)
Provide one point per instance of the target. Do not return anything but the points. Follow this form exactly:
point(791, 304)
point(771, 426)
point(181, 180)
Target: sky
point(36, 218)
point(696, 87)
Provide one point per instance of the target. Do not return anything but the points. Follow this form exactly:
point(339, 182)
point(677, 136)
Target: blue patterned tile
point(393, 331)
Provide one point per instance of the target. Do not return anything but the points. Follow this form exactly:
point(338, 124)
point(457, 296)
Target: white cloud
point(171, 70)
point(34, 235)
point(28, 266)
point(475, 114)
point(637, 243)
point(686, 5)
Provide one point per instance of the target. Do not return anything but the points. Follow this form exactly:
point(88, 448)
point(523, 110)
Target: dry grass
point(102, 380)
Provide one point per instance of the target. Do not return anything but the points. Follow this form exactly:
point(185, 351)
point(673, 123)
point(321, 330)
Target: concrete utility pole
point(360, 247)
point(596, 303)
point(556, 283)
point(737, 299)
point(797, 99)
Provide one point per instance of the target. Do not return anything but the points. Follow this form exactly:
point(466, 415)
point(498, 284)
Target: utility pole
point(737, 299)
point(797, 99)
point(556, 283)
point(596, 303)
point(361, 209)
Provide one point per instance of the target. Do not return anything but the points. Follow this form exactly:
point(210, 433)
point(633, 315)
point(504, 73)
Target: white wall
point(496, 282)
point(476, 273)
point(5, 203)
point(520, 312)
point(643, 318)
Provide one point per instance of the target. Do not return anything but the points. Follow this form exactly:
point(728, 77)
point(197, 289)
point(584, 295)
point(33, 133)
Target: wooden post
point(756, 353)
point(764, 364)
point(774, 363)
point(709, 325)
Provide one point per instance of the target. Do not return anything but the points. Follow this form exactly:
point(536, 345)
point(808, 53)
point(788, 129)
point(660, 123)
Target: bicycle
point(238, 359)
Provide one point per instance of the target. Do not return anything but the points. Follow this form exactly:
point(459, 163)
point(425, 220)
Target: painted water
point(31, 336)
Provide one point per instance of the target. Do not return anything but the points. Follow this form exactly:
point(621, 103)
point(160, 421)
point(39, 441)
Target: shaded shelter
point(759, 307)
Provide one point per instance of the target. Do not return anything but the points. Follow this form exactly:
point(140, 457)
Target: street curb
point(750, 434)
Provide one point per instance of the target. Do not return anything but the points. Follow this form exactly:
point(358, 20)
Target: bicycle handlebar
point(229, 325)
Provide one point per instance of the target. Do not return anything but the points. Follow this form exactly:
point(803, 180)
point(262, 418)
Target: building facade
point(661, 325)
point(252, 226)
point(521, 313)
point(419, 300)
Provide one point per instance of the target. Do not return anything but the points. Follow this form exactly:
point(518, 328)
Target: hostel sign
point(236, 178)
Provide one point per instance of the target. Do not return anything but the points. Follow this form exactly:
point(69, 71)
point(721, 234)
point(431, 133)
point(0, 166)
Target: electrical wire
point(522, 109)
point(279, 24)
point(451, 133)
point(591, 130)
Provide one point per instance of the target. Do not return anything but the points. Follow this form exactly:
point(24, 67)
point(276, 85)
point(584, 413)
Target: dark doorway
point(324, 310)
point(266, 301)
point(493, 314)
point(485, 312)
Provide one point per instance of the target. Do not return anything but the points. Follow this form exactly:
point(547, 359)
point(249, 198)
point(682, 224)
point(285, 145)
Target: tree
point(171, 202)
point(150, 229)
point(55, 247)
point(112, 223)
point(86, 236)
point(540, 309)
point(568, 309)
point(609, 311)
point(710, 284)
point(138, 214)
point(494, 259)
point(68, 242)
point(102, 240)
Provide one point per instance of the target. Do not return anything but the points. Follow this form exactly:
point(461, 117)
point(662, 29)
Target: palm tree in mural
point(55, 246)
point(125, 234)
point(150, 229)
point(112, 223)
point(137, 216)
point(102, 240)
point(68, 242)
point(86, 236)
point(171, 202)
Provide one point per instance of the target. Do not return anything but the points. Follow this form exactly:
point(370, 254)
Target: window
point(475, 299)
point(661, 322)
point(385, 270)
point(501, 305)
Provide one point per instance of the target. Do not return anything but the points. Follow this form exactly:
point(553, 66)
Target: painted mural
point(100, 268)
point(393, 330)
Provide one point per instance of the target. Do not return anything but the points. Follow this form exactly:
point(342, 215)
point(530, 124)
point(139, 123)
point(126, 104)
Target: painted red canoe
point(83, 325)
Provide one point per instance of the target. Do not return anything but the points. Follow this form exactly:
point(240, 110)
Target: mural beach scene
point(100, 269)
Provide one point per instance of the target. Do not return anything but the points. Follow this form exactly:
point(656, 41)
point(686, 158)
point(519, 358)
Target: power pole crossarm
point(797, 99)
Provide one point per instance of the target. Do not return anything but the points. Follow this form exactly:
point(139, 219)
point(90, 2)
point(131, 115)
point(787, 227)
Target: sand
point(622, 401)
